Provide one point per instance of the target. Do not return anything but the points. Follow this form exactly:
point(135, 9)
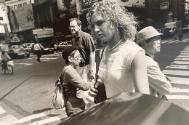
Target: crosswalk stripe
point(2, 111)
point(29, 118)
point(28, 64)
point(177, 96)
point(45, 121)
point(42, 115)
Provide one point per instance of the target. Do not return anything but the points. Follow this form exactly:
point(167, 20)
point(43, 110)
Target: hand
point(90, 75)
point(93, 92)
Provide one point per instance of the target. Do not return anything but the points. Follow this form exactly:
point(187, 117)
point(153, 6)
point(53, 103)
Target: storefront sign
point(14, 4)
point(43, 33)
point(3, 16)
point(132, 3)
point(22, 19)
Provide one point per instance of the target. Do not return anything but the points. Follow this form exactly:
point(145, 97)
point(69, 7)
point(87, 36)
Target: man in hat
point(149, 39)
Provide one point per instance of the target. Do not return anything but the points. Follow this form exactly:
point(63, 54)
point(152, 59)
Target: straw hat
point(146, 33)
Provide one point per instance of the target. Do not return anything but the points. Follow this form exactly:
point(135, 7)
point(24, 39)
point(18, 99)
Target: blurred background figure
point(4, 59)
point(37, 48)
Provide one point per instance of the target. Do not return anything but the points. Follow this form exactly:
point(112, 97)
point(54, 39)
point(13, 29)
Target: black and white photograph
point(94, 62)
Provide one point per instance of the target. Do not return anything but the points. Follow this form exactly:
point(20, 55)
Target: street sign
point(21, 18)
point(43, 33)
point(14, 4)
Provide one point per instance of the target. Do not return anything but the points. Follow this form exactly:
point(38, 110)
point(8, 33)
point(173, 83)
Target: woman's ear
point(112, 25)
point(70, 58)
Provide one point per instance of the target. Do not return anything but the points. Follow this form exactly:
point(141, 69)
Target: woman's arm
point(139, 69)
point(76, 80)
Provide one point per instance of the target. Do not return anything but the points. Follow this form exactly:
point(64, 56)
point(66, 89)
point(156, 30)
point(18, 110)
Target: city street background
point(26, 96)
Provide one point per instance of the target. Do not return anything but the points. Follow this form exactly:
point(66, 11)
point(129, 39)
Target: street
point(29, 90)
point(26, 96)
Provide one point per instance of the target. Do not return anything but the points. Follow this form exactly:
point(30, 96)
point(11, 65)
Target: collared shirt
point(85, 43)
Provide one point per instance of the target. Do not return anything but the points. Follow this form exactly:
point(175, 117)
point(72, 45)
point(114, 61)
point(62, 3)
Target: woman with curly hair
point(122, 67)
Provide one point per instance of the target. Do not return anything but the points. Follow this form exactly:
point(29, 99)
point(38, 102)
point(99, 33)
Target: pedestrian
point(37, 48)
point(72, 81)
point(4, 59)
point(85, 44)
point(122, 67)
point(86, 47)
point(149, 39)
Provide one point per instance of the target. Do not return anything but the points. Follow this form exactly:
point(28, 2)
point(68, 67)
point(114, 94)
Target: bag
point(11, 63)
point(58, 98)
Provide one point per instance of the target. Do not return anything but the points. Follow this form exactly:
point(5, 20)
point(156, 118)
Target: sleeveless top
point(115, 69)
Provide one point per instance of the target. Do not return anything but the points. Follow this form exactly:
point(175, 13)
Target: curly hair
point(111, 10)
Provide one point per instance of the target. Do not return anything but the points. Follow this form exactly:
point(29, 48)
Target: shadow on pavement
point(169, 51)
point(42, 110)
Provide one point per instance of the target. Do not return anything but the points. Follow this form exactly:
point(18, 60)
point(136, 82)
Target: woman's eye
point(99, 23)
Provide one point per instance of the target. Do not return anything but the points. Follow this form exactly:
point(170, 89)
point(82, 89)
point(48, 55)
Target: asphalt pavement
point(174, 62)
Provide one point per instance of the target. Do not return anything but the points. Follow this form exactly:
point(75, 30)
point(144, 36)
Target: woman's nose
point(96, 29)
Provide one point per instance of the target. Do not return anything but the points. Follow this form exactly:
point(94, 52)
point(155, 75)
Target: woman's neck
point(115, 40)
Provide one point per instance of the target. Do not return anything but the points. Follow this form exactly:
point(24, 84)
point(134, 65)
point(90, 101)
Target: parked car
point(17, 51)
point(48, 50)
point(169, 29)
point(61, 46)
point(27, 46)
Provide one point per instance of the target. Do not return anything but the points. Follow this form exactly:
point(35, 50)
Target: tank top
point(115, 69)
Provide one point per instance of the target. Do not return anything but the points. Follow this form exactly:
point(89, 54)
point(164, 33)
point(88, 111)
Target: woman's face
point(102, 29)
point(76, 58)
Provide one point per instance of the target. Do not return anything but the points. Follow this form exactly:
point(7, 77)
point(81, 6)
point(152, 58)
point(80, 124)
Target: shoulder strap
point(101, 55)
point(61, 77)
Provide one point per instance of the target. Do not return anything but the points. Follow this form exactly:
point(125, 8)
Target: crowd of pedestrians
point(126, 62)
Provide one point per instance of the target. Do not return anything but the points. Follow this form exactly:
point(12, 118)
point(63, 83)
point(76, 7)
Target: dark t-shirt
point(85, 43)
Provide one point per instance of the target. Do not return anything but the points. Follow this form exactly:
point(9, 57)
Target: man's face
point(154, 46)
point(74, 28)
point(102, 29)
